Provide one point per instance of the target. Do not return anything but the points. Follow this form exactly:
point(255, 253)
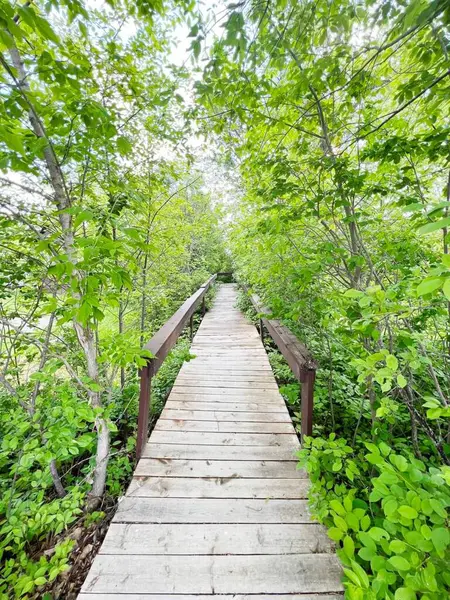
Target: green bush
point(388, 514)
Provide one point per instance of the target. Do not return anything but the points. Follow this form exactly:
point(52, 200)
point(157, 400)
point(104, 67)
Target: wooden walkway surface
point(216, 505)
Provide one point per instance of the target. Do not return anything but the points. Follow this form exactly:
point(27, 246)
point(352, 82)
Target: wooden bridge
point(216, 505)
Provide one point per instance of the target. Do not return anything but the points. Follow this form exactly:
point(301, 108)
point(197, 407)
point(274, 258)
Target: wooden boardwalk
point(216, 505)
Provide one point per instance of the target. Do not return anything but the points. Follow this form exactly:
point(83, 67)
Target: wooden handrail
point(297, 355)
point(160, 345)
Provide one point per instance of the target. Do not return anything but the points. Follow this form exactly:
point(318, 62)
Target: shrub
point(388, 514)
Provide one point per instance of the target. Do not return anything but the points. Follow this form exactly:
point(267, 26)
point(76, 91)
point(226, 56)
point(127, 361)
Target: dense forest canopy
point(331, 120)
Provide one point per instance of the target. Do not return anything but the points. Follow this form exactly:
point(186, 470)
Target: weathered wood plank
point(176, 406)
point(218, 468)
point(226, 394)
point(253, 381)
point(222, 415)
point(270, 574)
point(233, 353)
point(227, 362)
point(217, 378)
point(235, 453)
point(215, 539)
point(219, 370)
point(188, 384)
point(223, 426)
point(225, 439)
point(206, 510)
point(218, 487)
point(150, 596)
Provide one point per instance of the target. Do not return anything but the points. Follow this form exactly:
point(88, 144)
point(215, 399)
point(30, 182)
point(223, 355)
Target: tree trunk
point(62, 201)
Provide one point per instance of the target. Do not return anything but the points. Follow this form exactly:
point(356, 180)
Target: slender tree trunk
point(62, 200)
point(144, 278)
point(120, 318)
point(122, 369)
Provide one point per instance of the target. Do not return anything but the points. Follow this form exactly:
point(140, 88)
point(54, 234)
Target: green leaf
point(367, 540)
point(367, 553)
point(440, 538)
point(349, 546)
point(362, 575)
point(415, 206)
point(389, 507)
point(430, 227)
point(438, 507)
point(45, 28)
point(427, 286)
point(392, 362)
point(12, 139)
point(401, 381)
point(377, 533)
point(437, 207)
point(408, 512)
point(84, 215)
point(84, 312)
point(335, 534)
point(337, 507)
point(340, 523)
point(399, 563)
point(6, 38)
point(124, 145)
point(446, 288)
point(399, 461)
point(404, 593)
point(397, 546)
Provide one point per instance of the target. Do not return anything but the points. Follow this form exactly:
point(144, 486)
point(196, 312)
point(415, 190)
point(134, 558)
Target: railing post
point(144, 408)
point(191, 327)
point(203, 306)
point(308, 377)
point(261, 330)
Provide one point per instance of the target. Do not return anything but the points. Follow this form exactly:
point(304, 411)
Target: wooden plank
point(235, 453)
point(207, 341)
point(218, 487)
point(219, 366)
point(265, 376)
point(245, 338)
point(270, 574)
point(226, 469)
point(223, 426)
point(206, 510)
point(150, 596)
point(220, 370)
point(242, 385)
point(225, 439)
point(222, 350)
point(226, 393)
point(225, 379)
point(234, 353)
point(281, 416)
point(268, 408)
point(248, 335)
point(149, 539)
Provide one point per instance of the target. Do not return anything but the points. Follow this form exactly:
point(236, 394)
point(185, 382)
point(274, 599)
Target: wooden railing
point(160, 345)
point(297, 356)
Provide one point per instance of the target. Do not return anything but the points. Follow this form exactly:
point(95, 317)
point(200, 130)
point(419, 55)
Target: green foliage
point(388, 514)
